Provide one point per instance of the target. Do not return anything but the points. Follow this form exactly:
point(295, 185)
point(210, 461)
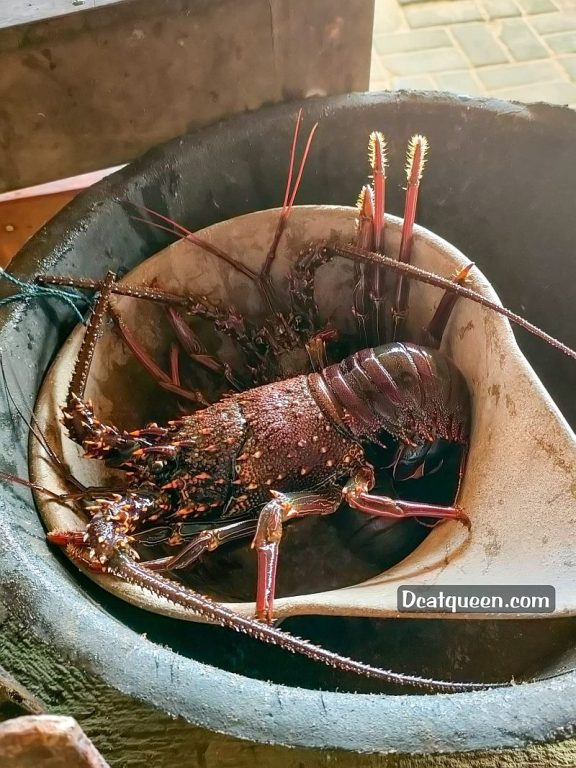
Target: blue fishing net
point(31, 291)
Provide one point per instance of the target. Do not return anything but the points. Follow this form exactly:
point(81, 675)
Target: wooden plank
point(21, 218)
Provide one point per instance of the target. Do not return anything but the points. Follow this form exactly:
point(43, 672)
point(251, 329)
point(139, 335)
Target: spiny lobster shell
point(519, 485)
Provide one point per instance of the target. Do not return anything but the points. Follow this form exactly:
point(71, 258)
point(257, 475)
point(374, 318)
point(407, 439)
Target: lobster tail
point(411, 392)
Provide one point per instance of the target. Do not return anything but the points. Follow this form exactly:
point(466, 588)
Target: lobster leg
point(99, 440)
point(357, 494)
point(160, 377)
point(282, 508)
point(205, 541)
point(436, 327)
point(228, 323)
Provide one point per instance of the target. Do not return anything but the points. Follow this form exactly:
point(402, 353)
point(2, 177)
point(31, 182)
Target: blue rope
point(29, 291)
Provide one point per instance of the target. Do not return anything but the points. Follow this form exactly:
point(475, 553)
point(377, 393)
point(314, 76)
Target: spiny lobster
point(235, 462)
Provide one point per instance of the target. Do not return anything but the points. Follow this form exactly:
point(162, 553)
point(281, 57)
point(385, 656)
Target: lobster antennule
point(373, 200)
point(365, 221)
point(364, 239)
point(415, 161)
point(377, 155)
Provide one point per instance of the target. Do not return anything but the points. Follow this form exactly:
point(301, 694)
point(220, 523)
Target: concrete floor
point(512, 49)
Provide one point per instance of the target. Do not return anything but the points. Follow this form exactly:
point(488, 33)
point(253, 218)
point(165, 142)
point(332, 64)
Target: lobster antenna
point(186, 234)
point(10, 478)
point(423, 276)
point(34, 428)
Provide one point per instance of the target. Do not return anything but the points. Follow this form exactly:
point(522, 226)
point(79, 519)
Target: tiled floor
point(512, 49)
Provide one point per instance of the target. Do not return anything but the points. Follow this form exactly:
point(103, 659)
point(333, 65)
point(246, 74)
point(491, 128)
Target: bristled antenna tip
point(365, 202)
point(416, 158)
point(377, 152)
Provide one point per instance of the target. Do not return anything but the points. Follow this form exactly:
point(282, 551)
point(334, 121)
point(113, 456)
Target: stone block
point(518, 74)
point(479, 44)
point(98, 87)
point(423, 62)
point(521, 40)
point(413, 40)
point(442, 13)
point(498, 9)
point(564, 43)
point(462, 82)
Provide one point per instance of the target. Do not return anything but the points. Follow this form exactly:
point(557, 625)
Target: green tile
point(461, 82)
point(553, 93)
point(414, 40)
point(569, 64)
point(442, 13)
point(423, 62)
point(564, 43)
point(521, 41)
point(550, 23)
point(414, 83)
point(498, 9)
point(479, 44)
point(518, 74)
point(537, 6)
point(387, 16)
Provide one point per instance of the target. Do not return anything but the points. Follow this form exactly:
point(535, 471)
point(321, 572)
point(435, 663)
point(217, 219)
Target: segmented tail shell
point(411, 392)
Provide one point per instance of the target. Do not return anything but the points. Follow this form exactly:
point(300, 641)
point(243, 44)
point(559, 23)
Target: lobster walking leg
point(205, 541)
point(357, 494)
point(436, 327)
point(154, 370)
point(193, 347)
point(282, 508)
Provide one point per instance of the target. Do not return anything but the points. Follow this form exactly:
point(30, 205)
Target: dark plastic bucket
point(500, 186)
